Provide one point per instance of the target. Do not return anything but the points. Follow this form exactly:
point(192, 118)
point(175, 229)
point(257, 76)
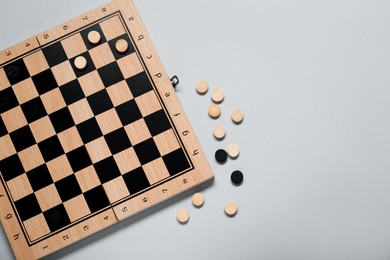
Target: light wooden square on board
point(148, 103)
point(119, 93)
point(87, 178)
point(109, 121)
point(166, 142)
point(138, 131)
point(116, 189)
point(63, 73)
point(156, 170)
point(91, 83)
point(112, 28)
point(31, 158)
point(48, 197)
point(42, 129)
point(53, 101)
point(4, 83)
point(36, 227)
point(7, 147)
point(80, 111)
point(36, 63)
point(25, 90)
point(101, 55)
point(14, 119)
point(70, 139)
point(19, 187)
point(130, 65)
point(127, 160)
point(98, 150)
point(77, 208)
point(73, 45)
point(59, 168)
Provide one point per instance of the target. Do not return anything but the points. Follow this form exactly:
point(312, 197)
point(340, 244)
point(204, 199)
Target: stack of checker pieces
point(87, 145)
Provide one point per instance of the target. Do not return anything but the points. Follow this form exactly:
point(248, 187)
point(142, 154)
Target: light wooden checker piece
point(84, 148)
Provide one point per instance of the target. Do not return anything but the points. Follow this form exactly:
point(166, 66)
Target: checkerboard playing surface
point(82, 149)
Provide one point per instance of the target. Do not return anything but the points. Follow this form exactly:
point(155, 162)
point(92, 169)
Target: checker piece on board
point(91, 131)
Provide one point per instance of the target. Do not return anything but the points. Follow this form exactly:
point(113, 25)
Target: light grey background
point(313, 80)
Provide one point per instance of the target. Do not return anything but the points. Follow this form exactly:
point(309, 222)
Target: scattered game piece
point(233, 150)
point(85, 138)
point(121, 46)
point(237, 116)
point(219, 132)
point(217, 95)
point(183, 216)
point(198, 199)
point(80, 62)
point(202, 87)
point(214, 111)
point(231, 208)
point(221, 156)
point(94, 37)
point(237, 177)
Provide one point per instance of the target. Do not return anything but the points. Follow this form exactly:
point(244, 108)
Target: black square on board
point(28, 207)
point(96, 199)
point(55, 54)
point(34, 110)
point(136, 180)
point(139, 84)
point(128, 112)
point(22, 138)
point(62, 120)
point(176, 162)
point(110, 74)
point(117, 54)
point(56, 218)
point(84, 35)
point(118, 141)
point(107, 170)
point(147, 151)
point(157, 122)
point(68, 188)
point(51, 148)
point(16, 71)
point(8, 100)
point(79, 159)
point(100, 102)
point(44, 81)
point(90, 66)
point(39, 177)
point(72, 92)
point(11, 167)
point(3, 129)
point(89, 130)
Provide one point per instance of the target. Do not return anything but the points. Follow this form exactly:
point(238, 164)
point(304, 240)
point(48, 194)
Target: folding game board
point(82, 149)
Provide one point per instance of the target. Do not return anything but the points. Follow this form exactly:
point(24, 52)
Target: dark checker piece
point(22, 138)
point(221, 156)
point(136, 180)
point(7, 100)
point(128, 112)
point(44, 81)
point(3, 129)
point(237, 177)
point(107, 170)
point(79, 159)
point(51, 148)
point(139, 84)
point(34, 110)
point(117, 141)
point(56, 218)
point(68, 188)
point(55, 54)
point(16, 71)
point(110, 74)
point(11, 167)
point(96, 199)
point(157, 122)
point(72, 92)
point(39, 177)
point(176, 161)
point(28, 207)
